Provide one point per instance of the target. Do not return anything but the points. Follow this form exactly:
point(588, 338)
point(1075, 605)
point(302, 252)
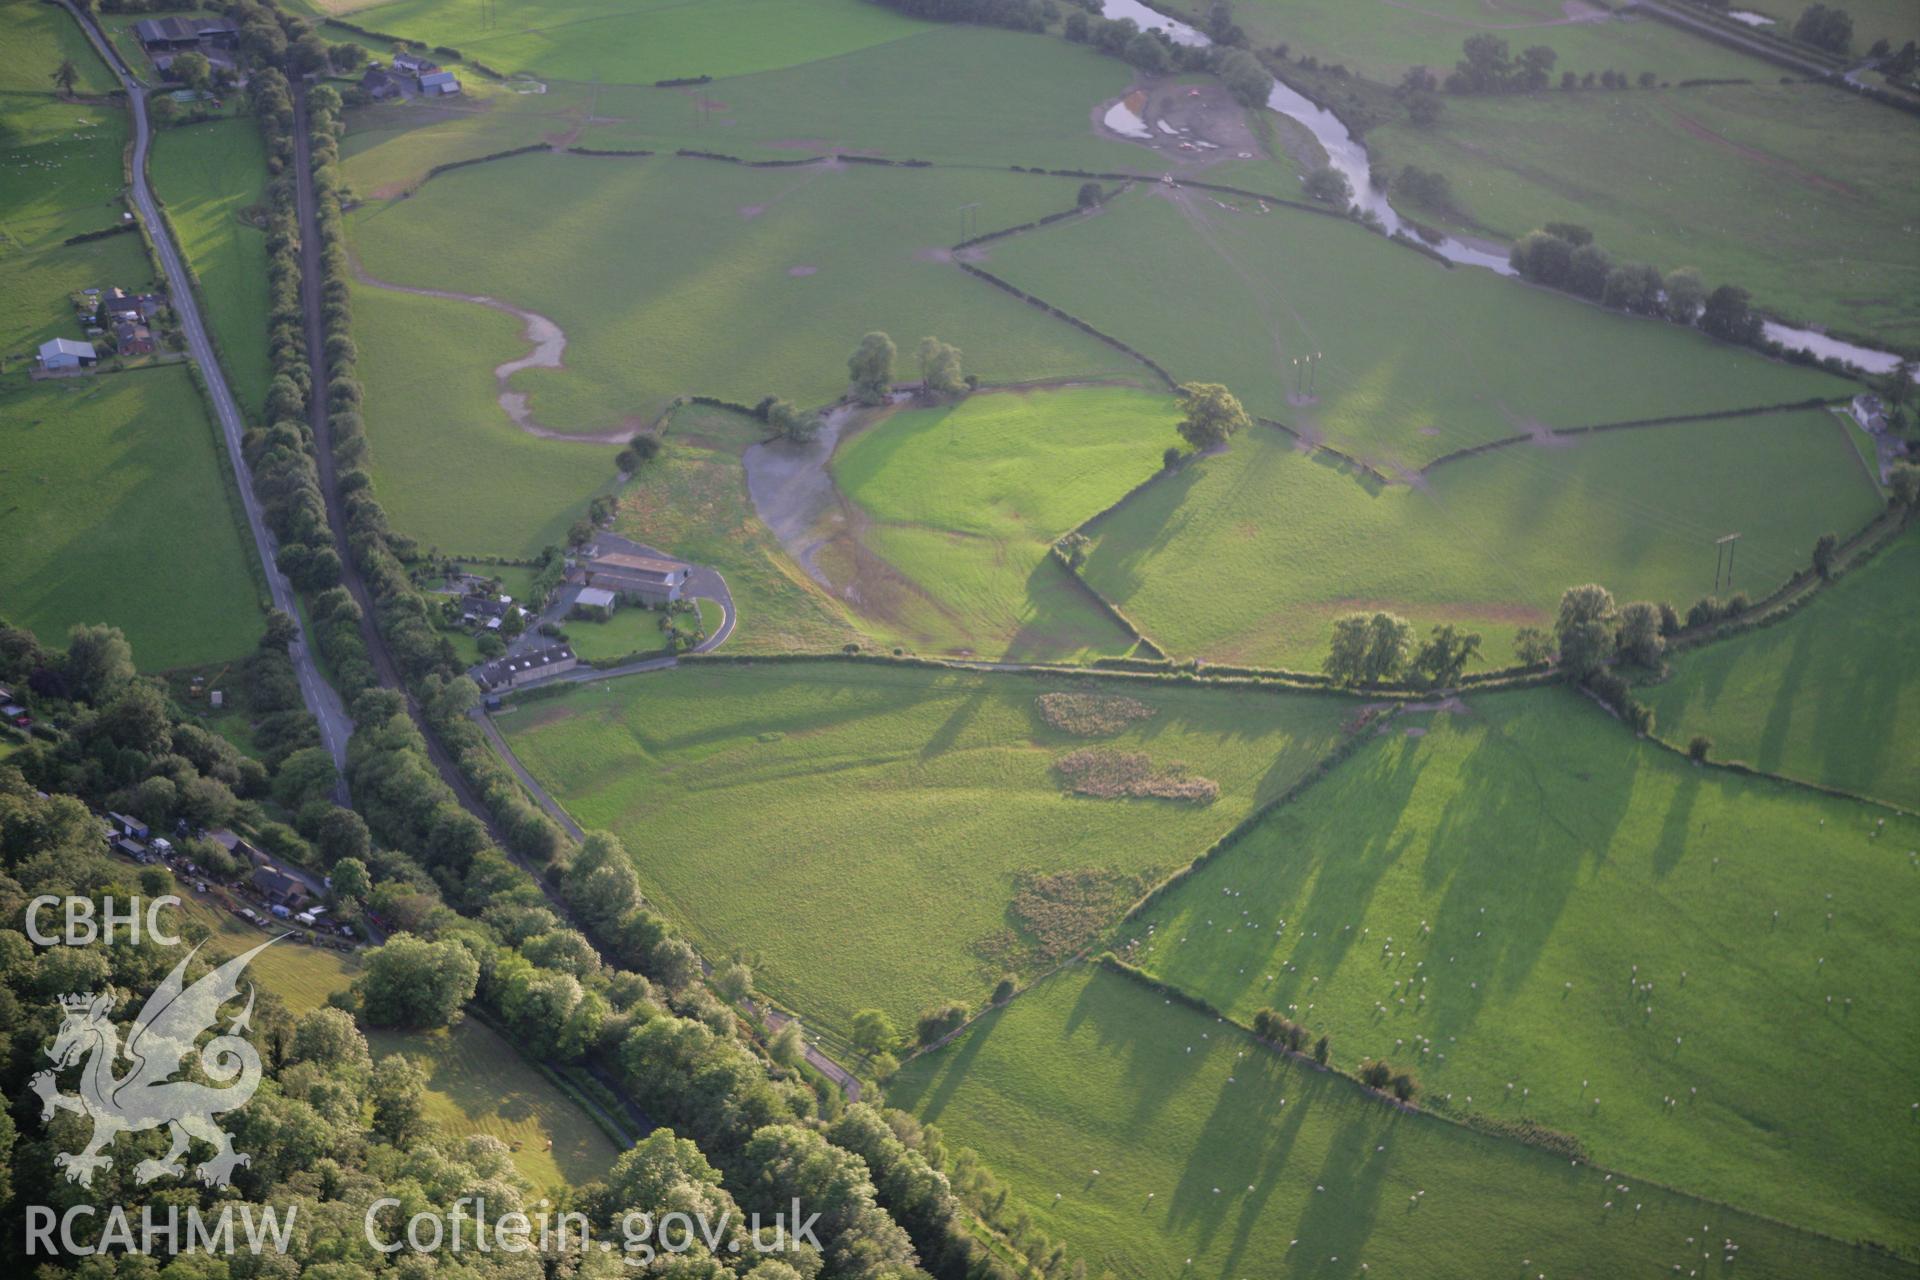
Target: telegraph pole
point(1723, 549)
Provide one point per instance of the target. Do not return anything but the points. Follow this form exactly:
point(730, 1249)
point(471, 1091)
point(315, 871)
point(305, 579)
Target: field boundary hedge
point(1631, 424)
point(451, 165)
point(1071, 319)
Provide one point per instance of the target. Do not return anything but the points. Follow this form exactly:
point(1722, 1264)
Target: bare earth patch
point(1112, 775)
point(1091, 715)
point(802, 271)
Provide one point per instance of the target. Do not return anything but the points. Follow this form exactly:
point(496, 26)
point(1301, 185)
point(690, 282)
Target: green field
point(693, 500)
point(106, 479)
point(1146, 1159)
point(962, 503)
point(39, 36)
point(1221, 294)
point(451, 469)
point(209, 176)
point(1802, 194)
point(860, 830)
point(691, 263)
point(36, 288)
point(633, 633)
point(1829, 695)
point(1380, 39)
point(1278, 543)
point(1502, 882)
point(59, 169)
point(707, 294)
point(477, 1082)
point(640, 41)
point(1023, 99)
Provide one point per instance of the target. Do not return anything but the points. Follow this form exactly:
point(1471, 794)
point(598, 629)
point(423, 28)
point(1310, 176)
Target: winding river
point(1348, 155)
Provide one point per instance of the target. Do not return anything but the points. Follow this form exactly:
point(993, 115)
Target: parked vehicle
point(305, 918)
point(280, 912)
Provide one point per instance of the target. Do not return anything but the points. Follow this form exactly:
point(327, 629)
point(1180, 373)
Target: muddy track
point(548, 345)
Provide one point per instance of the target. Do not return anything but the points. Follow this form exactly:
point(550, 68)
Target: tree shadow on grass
point(955, 1060)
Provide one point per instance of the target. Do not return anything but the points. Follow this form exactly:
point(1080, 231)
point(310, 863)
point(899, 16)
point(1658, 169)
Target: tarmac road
point(321, 698)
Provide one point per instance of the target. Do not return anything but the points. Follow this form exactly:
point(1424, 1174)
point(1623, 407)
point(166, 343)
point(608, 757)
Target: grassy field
point(633, 632)
point(59, 169)
point(962, 503)
point(1381, 39)
point(106, 478)
point(717, 239)
point(863, 831)
point(703, 268)
point(1153, 1141)
point(1278, 543)
point(36, 286)
point(1802, 194)
point(452, 470)
point(39, 36)
point(1490, 902)
point(477, 1082)
point(693, 500)
point(209, 175)
point(640, 41)
point(1829, 695)
point(1231, 295)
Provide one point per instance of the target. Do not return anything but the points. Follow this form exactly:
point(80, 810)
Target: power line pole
point(1723, 549)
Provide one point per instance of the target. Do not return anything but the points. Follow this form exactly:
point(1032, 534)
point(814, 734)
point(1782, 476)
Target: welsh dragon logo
point(147, 1097)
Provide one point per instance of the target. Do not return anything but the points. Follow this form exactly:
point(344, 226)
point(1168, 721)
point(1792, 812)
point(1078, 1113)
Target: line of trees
point(1563, 255)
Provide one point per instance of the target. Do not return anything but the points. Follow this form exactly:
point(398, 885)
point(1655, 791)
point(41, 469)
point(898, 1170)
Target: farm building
point(413, 64)
point(127, 826)
point(518, 669)
point(644, 578)
point(185, 33)
point(438, 83)
point(239, 846)
point(65, 353)
point(132, 339)
point(597, 598)
point(277, 886)
point(380, 84)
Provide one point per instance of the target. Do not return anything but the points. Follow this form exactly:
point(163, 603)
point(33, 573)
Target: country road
point(383, 662)
point(321, 698)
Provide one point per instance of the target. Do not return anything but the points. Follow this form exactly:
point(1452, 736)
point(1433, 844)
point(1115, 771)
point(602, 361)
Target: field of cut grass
point(105, 478)
point(209, 175)
point(1278, 543)
point(1153, 1141)
point(673, 277)
point(1381, 38)
point(640, 41)
point(451, 469)
point(1532, 911)
point(861, 830)
point(963, 502)
point(477, 1082)
point(1800, 193)
point(693, 500)
point(1829, 695)
point(1232, 295)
